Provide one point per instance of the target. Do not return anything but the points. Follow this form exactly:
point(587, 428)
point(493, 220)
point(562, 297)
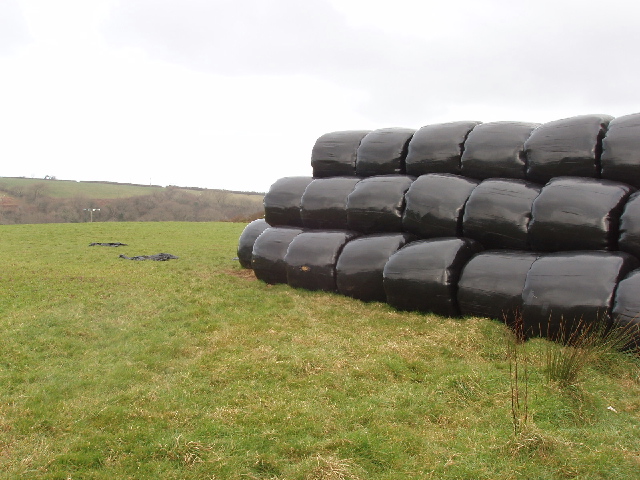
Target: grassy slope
point(70, 188)
point(191, 369)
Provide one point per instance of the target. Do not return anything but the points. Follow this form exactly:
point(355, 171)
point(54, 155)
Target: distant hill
point(29, 200)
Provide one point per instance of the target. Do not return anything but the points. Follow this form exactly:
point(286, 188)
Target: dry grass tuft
point(188, 453)
point(332, 468)
point(530, 441)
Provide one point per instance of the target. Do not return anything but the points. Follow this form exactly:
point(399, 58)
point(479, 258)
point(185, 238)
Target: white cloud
point(233, 94)
point(414, 59)
point(13, 27)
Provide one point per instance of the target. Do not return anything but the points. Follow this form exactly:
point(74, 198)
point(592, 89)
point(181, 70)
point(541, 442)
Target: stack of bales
point(466, 218)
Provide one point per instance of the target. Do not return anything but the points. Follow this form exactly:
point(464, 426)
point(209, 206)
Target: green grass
point(192, 369)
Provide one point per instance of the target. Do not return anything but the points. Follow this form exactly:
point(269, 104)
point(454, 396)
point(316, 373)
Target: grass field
point(192, 369)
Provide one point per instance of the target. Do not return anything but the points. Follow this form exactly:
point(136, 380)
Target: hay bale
point(577, 214)
point(383, 152)
point(567, 290)
point(498, 212)
point(629, 240)
point(361, 263)
point(311, 259)
point(568, 147)
point(626, 309)
point(282, 201)
point(377, 204)
point(247, 239)
point(424, 275)
point(438, 148)
point(496, 149)
point(269, 250)
point(435, 205)
point(620, 159)
point(334, 154)
point(492, 282)
point(324, 202)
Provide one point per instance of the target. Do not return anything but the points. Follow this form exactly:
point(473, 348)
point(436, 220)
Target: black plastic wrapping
point(577, 214)
point(498, 212)
point(435, 205)
point(334, 154)
point(269, 250)
point(282, 201)
point(626, 308)
point(312, 256)
point(621, 150)
point(424, 275)
point(492, 282)
point(568, 147)
point(438, 148)
point(324, 202)
point(383, 152)
point(360, 265)
point(567, 290)
point(377, 204)
point(247, 239)
point(496, 149)
point(158, 257)
point(630, 226)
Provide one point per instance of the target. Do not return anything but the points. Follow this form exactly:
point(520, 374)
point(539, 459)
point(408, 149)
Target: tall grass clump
point(580, 344)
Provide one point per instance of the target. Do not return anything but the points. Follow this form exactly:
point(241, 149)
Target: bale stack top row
point(596, 146)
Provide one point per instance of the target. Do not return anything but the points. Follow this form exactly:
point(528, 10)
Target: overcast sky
point(233, 95)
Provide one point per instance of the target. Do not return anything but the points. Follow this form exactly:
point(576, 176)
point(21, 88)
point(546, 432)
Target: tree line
point(31, 204)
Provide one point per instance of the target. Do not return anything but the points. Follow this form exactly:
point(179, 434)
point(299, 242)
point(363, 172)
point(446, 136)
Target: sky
point(233, 95)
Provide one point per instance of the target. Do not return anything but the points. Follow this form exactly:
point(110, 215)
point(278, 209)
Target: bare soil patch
point(245, 273)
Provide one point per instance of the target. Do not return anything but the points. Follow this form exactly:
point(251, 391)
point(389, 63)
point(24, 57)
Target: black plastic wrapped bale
point(324, 202)
point(621, 150)
point(630, 226)
point(577, 214)
point(492, 282)
point(247, 239)
point(282, 201)
point(269, 250)
point(334, 154)
point(424, 275)
point(359, 268)
point(312, 256)
point(383, 152)
point(496, 149)
point(438, 148)
point(571, 290)
point(377, 204)
point(498, 212)
point(435, 205)
point(626, 308)
point(568, 147)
